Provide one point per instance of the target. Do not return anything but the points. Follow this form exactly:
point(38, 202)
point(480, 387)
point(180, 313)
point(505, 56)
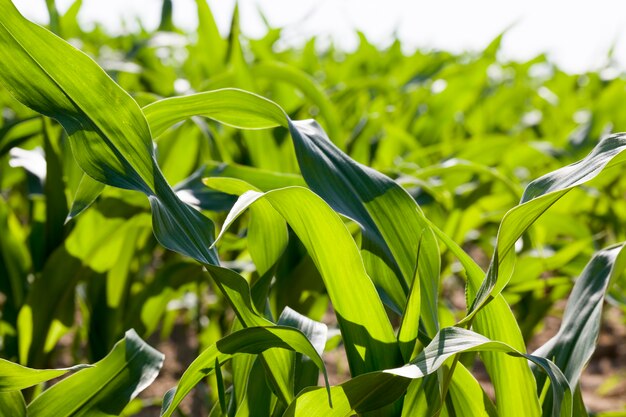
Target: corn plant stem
point(448, 375)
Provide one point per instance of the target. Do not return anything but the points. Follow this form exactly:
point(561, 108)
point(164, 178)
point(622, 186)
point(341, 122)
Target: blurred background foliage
point(463, 133)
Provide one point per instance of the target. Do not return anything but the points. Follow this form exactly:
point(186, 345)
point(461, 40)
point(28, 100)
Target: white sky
point(576, 34)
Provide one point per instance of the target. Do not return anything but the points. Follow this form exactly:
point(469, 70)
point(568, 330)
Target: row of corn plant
point(321, 229)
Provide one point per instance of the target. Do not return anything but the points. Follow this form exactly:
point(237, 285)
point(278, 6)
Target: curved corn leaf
point(228, 106)
point(111, 141)
point(512, 379)
point(364, 393)
point(14, 377)
point(391, 221)
point(262, 179)
point(253, 340)
point(367, 332)
point(267, 230)
point(107, 387)
point(571, 348)
point(499, 324)
point(538, 197)
point(277, 71)
point(87, 192)
point(236, 290)
point(108, 133)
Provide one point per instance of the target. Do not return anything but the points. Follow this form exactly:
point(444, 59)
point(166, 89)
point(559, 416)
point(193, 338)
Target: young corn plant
point(376, 252)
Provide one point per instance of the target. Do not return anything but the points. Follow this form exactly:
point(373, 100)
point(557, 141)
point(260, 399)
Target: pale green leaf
point(14, 377)
point(12, 404)
point(368, 336)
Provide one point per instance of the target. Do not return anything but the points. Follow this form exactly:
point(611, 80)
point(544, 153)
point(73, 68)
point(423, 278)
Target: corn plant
point(374, 254)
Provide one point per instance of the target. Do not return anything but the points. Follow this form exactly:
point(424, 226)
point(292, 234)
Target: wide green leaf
point(12, 404)
point(14, 377)
point(364, 393)
point(366, 330)
point(117, 149)
point(538, 196)
point(391, 220)
point(109, 135)
point(107, 387)
point(251, 340)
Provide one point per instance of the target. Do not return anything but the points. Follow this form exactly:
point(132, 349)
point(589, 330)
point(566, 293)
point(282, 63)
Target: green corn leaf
point(512, 379)
point(252, 340)
point(370, 198)
point(262, 179)
point(364, 393)
point(87, 192)
point(276, 361)
point(391, 221)
point(14, 377)
point(267, 230)
point(228, 106)
point(12, 404)
point(369, 339)
point(277, 71)
point(571, 348)
point(109, 135)
point(107, 387)
point(538, 197)
point(305, 370)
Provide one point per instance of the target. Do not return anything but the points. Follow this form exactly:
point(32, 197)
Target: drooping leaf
point(267, 230)
point(108, 133)
point(14, 377)
point(107, 387)
point(364, 393)
point(538, 197)
point(369, 338)
point(252, 340)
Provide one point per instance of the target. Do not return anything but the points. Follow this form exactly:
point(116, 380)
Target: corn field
point(305, 231)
